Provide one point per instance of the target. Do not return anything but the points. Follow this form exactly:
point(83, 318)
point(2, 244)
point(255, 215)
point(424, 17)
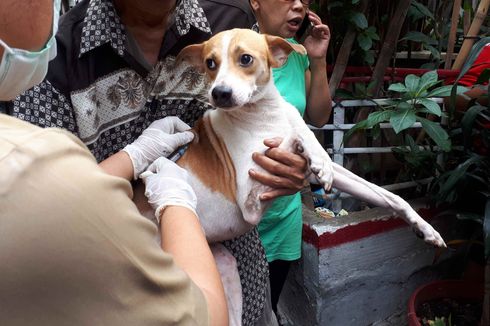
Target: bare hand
point(286, 170)
point(316, 44)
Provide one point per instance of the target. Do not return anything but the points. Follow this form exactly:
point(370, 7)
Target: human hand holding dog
point(166, 185)
point(286, 170)
point(161, 138)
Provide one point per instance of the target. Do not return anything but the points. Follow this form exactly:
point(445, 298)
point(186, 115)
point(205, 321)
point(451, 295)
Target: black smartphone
point(304, 29)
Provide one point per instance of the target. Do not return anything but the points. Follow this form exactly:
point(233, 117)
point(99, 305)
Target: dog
point(248, 110)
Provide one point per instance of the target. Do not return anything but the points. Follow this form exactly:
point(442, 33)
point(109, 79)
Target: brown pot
point(456, 289)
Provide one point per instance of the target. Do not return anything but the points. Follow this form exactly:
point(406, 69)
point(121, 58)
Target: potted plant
point(464, 187)
point(461, 183)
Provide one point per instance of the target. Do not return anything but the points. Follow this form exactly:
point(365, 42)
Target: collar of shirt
point(102, 24)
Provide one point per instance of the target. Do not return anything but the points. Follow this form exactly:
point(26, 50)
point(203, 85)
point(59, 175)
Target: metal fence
point(338, 151)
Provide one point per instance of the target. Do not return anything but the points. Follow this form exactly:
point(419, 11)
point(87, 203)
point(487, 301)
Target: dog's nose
point(222, 96)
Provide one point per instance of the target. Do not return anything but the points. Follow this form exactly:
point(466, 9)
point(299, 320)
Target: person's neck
point(147, 23)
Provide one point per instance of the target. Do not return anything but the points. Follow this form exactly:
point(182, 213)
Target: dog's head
point(238, 63)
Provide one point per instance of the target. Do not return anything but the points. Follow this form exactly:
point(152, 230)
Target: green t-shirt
point(281, 226)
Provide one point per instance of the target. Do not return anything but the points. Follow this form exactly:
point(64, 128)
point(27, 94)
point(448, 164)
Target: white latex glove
point(161, 138)
point(166, 185)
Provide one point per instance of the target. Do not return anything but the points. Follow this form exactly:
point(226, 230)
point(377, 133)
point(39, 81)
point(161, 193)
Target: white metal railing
point(338, 127)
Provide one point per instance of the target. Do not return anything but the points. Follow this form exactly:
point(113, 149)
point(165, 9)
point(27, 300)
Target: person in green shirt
point(302, 81)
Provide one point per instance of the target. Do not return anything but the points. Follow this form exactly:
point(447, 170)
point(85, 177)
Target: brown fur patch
point(208, 158)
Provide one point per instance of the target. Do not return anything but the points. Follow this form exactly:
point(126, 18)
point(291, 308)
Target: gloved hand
point(166, 185)
point(161, 138)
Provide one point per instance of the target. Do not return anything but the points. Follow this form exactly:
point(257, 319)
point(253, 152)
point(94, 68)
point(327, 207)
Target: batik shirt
point(102, 89)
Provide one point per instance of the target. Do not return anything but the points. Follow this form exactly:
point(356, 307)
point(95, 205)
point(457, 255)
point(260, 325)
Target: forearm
point(183, 238)
point(118, 165)
point(319, 101)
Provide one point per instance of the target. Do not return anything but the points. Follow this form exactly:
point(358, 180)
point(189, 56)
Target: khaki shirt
point(73, 248)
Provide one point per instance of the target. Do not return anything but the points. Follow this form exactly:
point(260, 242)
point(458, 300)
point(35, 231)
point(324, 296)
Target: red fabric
point(482, 62)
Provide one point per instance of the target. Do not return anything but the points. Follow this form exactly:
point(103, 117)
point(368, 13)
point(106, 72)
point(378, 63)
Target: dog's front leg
point(348, 182)
point(322, 168)
point(227, 267)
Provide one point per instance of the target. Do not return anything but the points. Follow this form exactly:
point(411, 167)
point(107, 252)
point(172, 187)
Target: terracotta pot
point(456, 289)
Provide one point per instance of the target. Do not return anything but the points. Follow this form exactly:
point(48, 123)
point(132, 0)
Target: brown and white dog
point(249, 109)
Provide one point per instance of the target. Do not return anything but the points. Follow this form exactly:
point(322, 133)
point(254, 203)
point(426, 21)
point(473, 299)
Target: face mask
point(21, 69)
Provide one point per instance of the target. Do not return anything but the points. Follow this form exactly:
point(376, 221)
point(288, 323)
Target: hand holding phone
point(304, 29)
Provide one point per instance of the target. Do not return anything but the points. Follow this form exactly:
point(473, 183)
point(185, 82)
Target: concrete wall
point(357, 270)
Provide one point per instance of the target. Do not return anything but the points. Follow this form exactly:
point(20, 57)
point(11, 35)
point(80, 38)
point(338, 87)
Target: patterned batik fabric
point(98, 89)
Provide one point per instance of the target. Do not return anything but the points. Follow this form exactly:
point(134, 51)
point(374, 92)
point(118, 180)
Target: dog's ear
point(279, 50)
point(193, 55)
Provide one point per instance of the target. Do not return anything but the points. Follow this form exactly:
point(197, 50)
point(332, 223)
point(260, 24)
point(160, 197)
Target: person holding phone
point(302, 81)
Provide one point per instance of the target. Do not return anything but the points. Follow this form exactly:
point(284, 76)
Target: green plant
point(414, 104)
point(348, 11)
point(440, 322)
point(465, 181)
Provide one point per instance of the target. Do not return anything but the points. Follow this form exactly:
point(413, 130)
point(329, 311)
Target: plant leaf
point(358, 19)
point(372, 119)
point(444, 91)
point(344, 94)
point(431, 106)
point(398, 87)
point(455, 175)
point(474, 53)
point(427, 80)
point(412, 83)
point(423, 9)
point(468, 121)
point(435, 131)
point(402, 119)
point(364, 41)
point(377, 117)
point(419, 37)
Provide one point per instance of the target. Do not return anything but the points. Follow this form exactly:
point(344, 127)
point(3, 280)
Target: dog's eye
point(246, 60)
point(211, 64)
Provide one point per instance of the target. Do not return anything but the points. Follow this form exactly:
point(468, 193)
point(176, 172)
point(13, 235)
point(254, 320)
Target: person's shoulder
point(35, 140)
point(70, 25)
point(228, 14)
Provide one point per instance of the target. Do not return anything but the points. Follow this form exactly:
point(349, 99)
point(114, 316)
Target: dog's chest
point(218, 164)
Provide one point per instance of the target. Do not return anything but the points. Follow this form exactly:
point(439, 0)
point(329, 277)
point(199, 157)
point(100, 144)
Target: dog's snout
point(222, 96)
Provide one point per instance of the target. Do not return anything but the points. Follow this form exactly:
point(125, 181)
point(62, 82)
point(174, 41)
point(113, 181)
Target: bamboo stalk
point(452, 34)
point(480, 16)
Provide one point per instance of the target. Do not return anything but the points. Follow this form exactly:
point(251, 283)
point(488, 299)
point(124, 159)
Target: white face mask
point(21, 69)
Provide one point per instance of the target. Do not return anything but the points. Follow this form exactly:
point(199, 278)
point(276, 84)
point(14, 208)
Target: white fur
point(259, 112)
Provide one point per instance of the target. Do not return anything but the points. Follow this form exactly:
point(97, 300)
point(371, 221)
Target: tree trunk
point(452, 34)
point(344, 54)
point(389, 46)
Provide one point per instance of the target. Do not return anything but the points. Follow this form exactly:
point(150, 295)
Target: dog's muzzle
point(222, 96)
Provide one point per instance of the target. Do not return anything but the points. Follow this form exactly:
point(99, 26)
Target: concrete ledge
point(357, 270)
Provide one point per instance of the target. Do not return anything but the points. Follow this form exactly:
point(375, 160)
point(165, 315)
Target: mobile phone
point(304, 29)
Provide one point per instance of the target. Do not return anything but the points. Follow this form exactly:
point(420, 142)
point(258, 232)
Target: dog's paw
point(324, 174)
point(429, 235)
